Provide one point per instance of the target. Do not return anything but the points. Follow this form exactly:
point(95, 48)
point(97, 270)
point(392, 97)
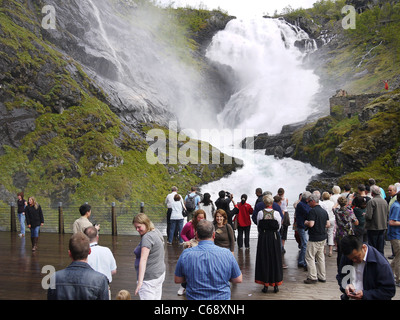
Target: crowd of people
point(355, 224)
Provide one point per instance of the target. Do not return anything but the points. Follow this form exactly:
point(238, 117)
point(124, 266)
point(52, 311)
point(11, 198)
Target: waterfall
point(272, 87)
point(105, 37)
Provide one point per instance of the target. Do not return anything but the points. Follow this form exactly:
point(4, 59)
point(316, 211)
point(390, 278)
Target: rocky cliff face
point(76, 101)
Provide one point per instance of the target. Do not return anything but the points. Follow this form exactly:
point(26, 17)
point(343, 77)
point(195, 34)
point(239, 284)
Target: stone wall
point(351, 104)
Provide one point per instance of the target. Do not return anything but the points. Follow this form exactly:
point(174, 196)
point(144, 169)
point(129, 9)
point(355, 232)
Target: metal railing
point(113, 220)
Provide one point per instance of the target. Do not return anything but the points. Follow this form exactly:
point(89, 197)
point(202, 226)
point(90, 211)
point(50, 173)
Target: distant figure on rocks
point(386, 84)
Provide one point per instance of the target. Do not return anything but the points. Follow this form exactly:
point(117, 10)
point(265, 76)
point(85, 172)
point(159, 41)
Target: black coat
point(34, 217)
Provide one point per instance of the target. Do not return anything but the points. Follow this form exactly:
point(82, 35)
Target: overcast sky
point(241, 8)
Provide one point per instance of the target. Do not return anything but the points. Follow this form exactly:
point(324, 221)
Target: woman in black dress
point(269, 270)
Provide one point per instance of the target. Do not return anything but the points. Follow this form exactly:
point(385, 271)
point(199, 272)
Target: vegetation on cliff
point(363, 146)
point(366, 144)
point(73, 149)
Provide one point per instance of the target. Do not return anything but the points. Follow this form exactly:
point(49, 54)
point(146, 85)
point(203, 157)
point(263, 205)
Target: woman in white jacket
point(328, 205)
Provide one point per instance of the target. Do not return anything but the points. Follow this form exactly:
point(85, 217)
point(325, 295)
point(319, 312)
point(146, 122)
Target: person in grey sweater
point(376, 219)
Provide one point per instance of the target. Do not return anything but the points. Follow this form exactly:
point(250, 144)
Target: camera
point(227, 194)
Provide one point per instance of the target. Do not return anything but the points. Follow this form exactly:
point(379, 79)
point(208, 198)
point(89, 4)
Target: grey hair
point(306, 195)
point(314, 197)
point(375, 190)
point(205, 229)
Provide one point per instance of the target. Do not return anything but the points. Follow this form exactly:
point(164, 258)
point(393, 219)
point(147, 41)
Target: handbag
point(235, 223)
point(184, 212)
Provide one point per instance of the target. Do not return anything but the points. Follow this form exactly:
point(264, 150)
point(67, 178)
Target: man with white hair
point(376, 218)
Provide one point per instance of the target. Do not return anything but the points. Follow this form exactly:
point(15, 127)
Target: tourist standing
point(335, 194)
point(151, 268)
point(345, 219)
point(244, 222)
point(317, 222)
point(192, 201)
point(100, 258)
point(168, 201)
point(328, 204)
point(79, 281)
point(393, 236)
point(21, 204)
point(286, 219)
point(208, 206)
point(189, 230)
point(301, 212)
point(176, 220)
point(360, 205)
point(207, 269)
point(376, 219)
point(269, 269)
point(34, 220)
point(83, 222)
point(373, 277)
point(224, 235)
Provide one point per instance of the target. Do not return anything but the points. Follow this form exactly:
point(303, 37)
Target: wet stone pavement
point(21, 270)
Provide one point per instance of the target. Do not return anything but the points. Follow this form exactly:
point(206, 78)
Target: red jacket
point(245, 211)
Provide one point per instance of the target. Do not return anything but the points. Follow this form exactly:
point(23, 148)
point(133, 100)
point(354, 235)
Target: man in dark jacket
point(302, 209)
point(370, 275)
point(79, 281)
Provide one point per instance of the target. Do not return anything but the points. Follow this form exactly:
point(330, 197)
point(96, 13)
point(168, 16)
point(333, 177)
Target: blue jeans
point(35, 232)
point(304, 239)
point(21, 218)
point(175, 224)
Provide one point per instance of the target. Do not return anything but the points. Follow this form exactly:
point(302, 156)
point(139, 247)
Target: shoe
point(391, 257)
point(169, 243)
point(310, 281)
point(321, 280)
point(181, 291)
point(276, 289)
point(265, 289)
point(284, 266)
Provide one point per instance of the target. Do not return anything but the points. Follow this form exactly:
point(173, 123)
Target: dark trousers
point(246, 231)
point(169, 211)
point(376, 238)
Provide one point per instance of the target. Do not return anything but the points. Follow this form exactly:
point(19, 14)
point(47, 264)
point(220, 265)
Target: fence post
point(142, 207)
point(113, 220)
point(60, 219)
point(13, 222)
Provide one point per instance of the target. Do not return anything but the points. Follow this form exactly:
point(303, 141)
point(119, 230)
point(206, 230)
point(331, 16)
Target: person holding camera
point(83, 222)
point(223, 202)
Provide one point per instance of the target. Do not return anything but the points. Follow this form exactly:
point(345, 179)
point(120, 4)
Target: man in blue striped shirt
point(207, 268)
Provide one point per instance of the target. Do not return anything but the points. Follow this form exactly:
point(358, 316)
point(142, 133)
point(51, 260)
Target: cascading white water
point(272, 87)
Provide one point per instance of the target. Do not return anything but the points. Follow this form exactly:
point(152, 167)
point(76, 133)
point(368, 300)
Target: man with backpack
point(192, 203)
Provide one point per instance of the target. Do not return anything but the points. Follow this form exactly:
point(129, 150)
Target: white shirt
point(102, 260)
point(170, 199)
point(359, 273)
